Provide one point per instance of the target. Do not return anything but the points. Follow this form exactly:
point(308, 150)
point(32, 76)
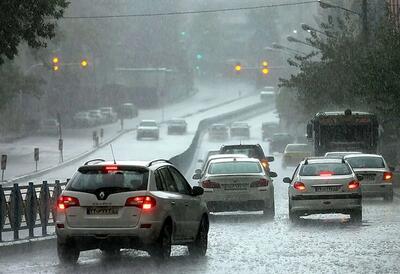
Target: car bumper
point(150, 134)
point(217, 202)
point(325, 203)
point(123, 237)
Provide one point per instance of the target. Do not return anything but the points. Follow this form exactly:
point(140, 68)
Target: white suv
point(140, 205)
point(148, 129)
point(324, 185)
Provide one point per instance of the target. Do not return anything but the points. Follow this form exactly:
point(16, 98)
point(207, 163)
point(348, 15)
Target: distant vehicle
point(200, 172)
point(83, 119)
point(324, 185)
point(140, 205)
point(268, 129)
point(97, 116)
point(339, 154)
point(109, 113)
point(342, 131)
point(294, 154)
point(233, 184)
point(218, 132)
point(240, 129)
point(267, 94)
point(377, 176)
point(128, 111)
point(251, 150)
point(148, 129)
point(49, 127)
point(177, 126)
point(279, 141)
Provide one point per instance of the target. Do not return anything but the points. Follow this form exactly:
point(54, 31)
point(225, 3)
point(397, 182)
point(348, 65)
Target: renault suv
point(140, 205)
point(324, 185)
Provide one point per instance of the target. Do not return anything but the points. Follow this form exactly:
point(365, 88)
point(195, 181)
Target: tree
point(30, 21)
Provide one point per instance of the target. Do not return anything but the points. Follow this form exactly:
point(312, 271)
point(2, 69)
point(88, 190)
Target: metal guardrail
point(20, 207)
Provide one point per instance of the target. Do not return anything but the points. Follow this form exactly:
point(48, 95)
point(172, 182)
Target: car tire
point(67, 253)
point(293, 216)
point(356, 216)
point(162, 248)
point(199, 247)
point(269, 212)
point(388, 197)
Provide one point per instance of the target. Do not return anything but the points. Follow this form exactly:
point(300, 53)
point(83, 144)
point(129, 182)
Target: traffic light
point(238, 67)
point(56, 63)
point(84, 63)
point(264, 67)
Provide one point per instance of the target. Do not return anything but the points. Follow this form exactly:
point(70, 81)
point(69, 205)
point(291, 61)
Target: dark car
point(279, 141)
point(268, 129)
point(251, 150)
point(240, 129)
point(177, 126)
point(218, 132)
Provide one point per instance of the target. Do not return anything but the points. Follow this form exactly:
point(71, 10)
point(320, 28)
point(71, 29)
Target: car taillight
point(210, 184)
point(111, 168)
point(353, 185)
point(259, 183)
point(265, 164)
point(387, 176)
point(326, 173)
point(65, 202)
point(143, 202)
point(299, 186)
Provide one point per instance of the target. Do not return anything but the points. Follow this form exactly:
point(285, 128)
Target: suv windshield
point(325, 169)
point(120, 180)
point(234, 167)
point(366, 162)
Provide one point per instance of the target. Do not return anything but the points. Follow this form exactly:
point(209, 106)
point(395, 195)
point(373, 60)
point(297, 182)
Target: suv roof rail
point(158, 160)
point(94, 160)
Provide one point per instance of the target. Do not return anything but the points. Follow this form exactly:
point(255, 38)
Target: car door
point(191, 203)
point(176, 200)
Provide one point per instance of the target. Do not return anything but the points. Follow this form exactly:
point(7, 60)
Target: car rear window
point(325, 169)
point(116, 180)
point(148, 124)
point(251, 152)
point(366, 162)
point(234, 167)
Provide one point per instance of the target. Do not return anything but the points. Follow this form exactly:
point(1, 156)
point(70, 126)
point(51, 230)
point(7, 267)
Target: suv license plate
point(102, 211)
point(326, 188)
point(235, 187)
point(369, 177)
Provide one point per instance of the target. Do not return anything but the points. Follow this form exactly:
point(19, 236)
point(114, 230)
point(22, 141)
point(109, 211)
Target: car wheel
point(356, 216)
point(199, 247)
point(162, 248)
point(269, 212)
point(67, 253)
point(388, 197)
point(293, 216)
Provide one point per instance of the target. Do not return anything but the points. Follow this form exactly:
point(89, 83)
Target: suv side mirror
point(287, 180)
point(273, 174)
point(197, 191)
point(270, 158)
point(360, 177)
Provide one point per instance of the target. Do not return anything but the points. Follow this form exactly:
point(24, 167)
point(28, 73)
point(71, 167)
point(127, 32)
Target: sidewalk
point(78, 141)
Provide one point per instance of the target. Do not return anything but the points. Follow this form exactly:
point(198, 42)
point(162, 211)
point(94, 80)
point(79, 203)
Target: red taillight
point(299, 186)
point(265, 164)
point(387, 176)
point(209, 184)
point(353, 185)
point(111, 168)
point(259, 183)
point(143, 202)
point(65, 202)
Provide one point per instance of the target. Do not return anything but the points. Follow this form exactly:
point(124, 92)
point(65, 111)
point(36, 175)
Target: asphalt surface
point(246, 242)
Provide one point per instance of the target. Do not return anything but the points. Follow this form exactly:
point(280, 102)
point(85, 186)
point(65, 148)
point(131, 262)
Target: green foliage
point(344, 71)
point(30, 21)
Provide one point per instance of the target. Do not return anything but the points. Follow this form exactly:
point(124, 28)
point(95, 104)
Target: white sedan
point(233, 184)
